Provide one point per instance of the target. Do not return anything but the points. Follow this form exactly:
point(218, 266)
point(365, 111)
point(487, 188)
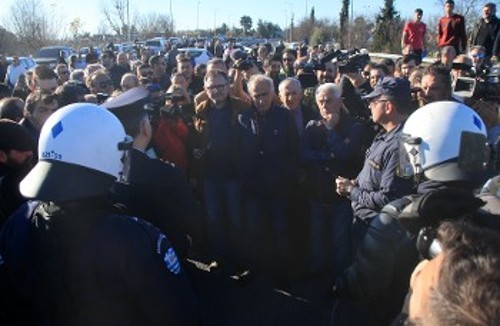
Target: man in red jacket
point(451, 29)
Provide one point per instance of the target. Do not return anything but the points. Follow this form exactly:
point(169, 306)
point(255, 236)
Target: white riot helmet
point(80, 151)
point(444, 141)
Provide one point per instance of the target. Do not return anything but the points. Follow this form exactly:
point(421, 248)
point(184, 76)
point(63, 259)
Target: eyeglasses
point(478, 55)
point(216, 87)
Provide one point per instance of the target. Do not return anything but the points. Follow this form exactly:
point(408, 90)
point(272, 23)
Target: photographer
point(172, 137)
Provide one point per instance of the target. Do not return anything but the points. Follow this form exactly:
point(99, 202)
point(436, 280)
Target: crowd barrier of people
point(296, 164)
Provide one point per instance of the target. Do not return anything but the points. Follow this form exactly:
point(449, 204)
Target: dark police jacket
point(84, 265)
point(377, 183)
point(159, 193)
point(380, 275)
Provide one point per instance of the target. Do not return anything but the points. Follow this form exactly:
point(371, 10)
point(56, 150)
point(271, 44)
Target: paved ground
point(258, 301)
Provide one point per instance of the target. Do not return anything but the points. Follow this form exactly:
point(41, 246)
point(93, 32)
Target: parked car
point(26, 62)
point(201, 56)
point(85, 50)
point(156, 44)
point(49, 55)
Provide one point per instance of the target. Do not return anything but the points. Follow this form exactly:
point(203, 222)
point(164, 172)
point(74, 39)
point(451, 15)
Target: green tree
point(387, 29)
point(312, 17)
point(246, 23)
point(344, 20)
point(267, 29)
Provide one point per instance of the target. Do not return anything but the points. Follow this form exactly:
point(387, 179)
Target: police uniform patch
point(172, 261)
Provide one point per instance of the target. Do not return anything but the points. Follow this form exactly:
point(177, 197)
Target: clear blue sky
point(219, 11)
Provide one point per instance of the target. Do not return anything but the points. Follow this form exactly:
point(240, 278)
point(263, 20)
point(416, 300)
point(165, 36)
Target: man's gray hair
point(292, 81)
point(260, 79)
point(331, 88)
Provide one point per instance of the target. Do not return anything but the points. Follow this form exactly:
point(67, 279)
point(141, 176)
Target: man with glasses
point(216, 122)
point(479, 61)
point(45, 79)
point(100, 83)
point(377, 183)
point(289, 57)
point(269, 167)
point(414, 35)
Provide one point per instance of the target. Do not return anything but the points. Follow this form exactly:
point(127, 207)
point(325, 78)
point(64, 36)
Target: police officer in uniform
point(69, 258)
point(152, 189)
point(443, 147)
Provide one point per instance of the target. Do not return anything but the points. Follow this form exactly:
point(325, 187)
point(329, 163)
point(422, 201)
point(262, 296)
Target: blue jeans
point(330, 236)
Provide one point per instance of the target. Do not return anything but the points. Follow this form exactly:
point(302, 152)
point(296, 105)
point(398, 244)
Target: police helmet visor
point(474, 152)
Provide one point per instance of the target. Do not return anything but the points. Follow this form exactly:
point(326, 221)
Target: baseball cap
point(14, 136)
point(393, 87)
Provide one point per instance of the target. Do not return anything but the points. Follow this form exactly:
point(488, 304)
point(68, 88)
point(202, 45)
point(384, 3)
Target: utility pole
point(128, 21)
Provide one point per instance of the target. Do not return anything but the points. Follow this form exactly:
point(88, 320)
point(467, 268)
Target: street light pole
point(198, 16)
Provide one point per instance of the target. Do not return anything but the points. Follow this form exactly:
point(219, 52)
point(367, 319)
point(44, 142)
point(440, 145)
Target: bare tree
point(8, 42)
point(33, 24)
point(361, 31)
point(115, 14)
point(153, 24)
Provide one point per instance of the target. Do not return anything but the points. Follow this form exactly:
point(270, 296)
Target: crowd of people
point(293, 163)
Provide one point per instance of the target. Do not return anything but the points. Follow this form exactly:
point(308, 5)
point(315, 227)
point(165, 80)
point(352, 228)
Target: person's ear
point(3, 157)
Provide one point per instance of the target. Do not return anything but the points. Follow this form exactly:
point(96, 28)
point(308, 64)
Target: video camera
point(487, 87)
point(352, 61)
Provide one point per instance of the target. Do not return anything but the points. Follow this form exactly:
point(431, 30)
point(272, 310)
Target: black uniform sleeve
point(131, 257)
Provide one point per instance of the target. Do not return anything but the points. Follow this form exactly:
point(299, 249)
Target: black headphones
point(427, 245)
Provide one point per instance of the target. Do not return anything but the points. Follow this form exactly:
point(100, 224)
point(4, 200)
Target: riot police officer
point(69, 258)
point(443, 147)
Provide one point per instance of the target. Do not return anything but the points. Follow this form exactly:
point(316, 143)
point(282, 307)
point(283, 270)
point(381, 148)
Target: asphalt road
point(258, 300)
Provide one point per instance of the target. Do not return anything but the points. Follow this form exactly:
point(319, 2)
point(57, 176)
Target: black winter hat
point(14, 136)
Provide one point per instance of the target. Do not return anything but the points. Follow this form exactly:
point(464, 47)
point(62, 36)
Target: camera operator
point(174, 135)
point(351, 66)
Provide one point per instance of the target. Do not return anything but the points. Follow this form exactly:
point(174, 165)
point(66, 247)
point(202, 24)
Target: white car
point(201, 56)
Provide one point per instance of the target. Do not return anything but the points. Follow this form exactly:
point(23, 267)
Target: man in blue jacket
point(268, 166)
